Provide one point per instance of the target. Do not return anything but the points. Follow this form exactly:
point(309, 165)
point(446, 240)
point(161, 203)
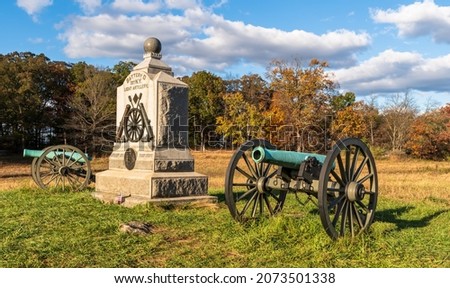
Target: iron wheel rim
point(63, 167)
point(350, 208)
point(245, 194)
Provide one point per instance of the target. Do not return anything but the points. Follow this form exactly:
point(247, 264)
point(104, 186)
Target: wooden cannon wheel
point(34, 168)
point(63, 167)
point(348, 189)
point(245, 193)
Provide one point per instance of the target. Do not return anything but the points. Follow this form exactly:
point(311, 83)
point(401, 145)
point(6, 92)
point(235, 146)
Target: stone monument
point(151, 161)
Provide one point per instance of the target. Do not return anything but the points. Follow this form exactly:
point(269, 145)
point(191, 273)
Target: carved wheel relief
point(135, 122)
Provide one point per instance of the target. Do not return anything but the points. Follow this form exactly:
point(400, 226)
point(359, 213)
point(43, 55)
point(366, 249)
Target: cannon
point(61, 166)
point(343, 183)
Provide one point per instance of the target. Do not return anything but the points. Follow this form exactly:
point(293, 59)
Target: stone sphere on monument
point(152, 45)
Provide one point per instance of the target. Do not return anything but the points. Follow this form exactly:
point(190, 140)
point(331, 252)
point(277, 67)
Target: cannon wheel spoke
point(242, 194)
point(348, 211)
point(62, 167)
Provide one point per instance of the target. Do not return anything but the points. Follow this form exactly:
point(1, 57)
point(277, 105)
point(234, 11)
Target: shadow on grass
point(394, 216)
point(220, 196)
point(16, 175)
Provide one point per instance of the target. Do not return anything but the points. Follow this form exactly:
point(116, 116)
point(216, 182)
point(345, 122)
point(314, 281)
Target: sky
point(374, 48)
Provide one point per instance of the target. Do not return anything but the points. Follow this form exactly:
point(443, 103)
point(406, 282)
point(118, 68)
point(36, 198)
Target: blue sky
point(375, 48)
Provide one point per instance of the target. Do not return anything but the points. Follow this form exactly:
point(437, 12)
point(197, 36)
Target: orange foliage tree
point(429, 137)
point(244, 120)
point(351, 122)
point(301, 96)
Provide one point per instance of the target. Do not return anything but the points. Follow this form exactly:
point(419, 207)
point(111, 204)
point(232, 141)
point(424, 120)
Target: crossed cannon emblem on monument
point(134, 122)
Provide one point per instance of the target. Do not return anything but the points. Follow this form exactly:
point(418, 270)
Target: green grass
point(56, 229)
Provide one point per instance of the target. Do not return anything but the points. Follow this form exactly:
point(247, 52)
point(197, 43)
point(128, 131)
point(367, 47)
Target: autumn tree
point(256, 91)
point(93, 108)
point(373, 120)
point(241, 120)
point(302, 95)
point(354, 119)
point(429, 136)
point(350, 122)
point(246, 111)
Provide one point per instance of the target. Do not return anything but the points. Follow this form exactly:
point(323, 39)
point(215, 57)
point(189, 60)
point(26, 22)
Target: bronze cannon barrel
point(32, 153)
point(74, 156)
point(288, 159)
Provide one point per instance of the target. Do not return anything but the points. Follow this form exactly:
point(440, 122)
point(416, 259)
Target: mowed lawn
point(60, 229)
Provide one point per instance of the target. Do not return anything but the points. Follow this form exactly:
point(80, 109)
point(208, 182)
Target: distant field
point(55, 229)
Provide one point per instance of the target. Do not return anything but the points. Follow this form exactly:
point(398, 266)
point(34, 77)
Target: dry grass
point(414, 180)
point(213, 164)
point(15, 172)
point(399, 179)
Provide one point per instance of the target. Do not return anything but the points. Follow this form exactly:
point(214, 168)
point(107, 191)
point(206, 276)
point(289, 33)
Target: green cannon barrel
point(288, 159)
point(38, 153)
point(32, 153)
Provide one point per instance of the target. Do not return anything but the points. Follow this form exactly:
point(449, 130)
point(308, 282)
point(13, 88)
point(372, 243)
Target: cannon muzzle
point(288, 159)
point(32, 153)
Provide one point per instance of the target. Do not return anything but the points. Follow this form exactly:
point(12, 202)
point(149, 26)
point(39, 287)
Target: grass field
point(57, 229)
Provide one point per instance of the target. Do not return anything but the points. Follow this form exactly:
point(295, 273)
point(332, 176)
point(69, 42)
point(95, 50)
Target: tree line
point(296, 105)
point(44, 102)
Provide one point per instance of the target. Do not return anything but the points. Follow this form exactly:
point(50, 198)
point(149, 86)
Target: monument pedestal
point(130, 188)
point(154, 177)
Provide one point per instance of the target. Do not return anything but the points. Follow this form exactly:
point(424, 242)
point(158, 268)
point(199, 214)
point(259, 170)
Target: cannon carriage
point(344, 183)
point(60, 166)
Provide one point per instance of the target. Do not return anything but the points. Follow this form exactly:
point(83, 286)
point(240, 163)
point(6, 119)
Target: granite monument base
point(155, 177)
point(130, 188)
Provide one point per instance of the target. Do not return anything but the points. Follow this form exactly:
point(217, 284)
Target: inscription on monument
point(136, 81)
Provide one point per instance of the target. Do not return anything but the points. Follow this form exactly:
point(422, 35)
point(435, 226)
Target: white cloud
point(33, 7)
point(393, 71)
point(139, 6)
point(418, 19)
point(89, 6)
point(200, 39)
point(181, 4)
point(119, 36)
